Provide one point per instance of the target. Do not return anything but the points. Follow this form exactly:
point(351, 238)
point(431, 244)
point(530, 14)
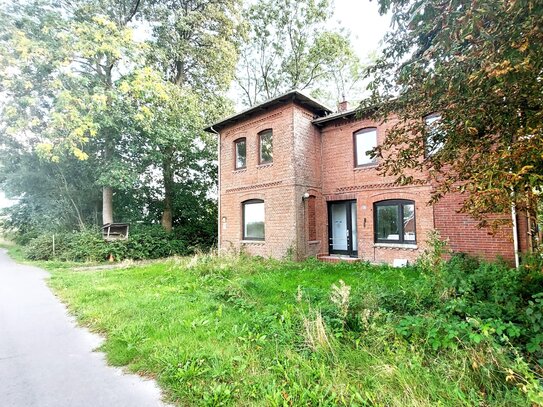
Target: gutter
point(218, 188)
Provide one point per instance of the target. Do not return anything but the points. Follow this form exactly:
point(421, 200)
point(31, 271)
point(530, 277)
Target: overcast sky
point(362, 19)
point(3, 201)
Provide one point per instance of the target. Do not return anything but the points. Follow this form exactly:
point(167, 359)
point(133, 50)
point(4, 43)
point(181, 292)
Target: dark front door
point(342, 233)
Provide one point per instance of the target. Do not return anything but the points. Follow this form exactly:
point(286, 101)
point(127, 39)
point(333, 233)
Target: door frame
point(352, 247)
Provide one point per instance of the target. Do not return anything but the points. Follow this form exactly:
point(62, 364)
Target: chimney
point(343, 106)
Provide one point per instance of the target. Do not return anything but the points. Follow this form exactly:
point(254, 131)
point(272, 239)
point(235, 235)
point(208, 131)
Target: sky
point(362, 19)
point(3, 201)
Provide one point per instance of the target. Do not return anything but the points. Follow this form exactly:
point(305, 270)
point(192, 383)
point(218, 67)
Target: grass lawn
point(239, 331)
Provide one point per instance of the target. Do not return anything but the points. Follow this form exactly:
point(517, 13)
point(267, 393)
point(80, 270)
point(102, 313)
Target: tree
point(168, 120)
point(478, 64)
point(61, 61)
point(288, 47)
point(193, 45)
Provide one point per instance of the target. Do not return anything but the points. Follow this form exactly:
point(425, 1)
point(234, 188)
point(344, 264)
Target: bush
point(88, 246)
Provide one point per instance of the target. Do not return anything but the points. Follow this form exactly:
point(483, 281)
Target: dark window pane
point(253, 215)
point(409, 222)
point(241, 154)
point(266, 147)
point(387, 222)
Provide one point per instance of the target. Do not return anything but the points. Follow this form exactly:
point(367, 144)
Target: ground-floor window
point(394, 221)
point(253, 219)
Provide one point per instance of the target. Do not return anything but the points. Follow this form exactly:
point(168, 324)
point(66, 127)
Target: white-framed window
point(265, 147)
point(240, 151)
point(433, 137)
point(253, 219)
point(365, 140)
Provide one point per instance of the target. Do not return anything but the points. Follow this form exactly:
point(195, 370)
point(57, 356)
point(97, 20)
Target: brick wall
point(273, 183)
point(465, 236)
point(342, 181)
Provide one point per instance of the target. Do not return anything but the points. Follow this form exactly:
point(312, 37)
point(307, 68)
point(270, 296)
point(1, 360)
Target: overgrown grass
point(240, 331)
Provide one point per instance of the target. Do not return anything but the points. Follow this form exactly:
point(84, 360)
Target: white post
point(515, 233)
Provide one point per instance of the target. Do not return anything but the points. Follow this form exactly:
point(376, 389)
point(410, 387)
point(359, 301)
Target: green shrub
point(88, 246)
point(47, 247)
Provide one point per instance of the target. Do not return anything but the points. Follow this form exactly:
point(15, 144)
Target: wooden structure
point(115, 231)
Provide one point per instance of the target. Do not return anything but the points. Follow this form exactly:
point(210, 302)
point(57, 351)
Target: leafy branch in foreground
point(479, 66)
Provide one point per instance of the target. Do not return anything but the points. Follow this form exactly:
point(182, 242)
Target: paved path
point(46, 360)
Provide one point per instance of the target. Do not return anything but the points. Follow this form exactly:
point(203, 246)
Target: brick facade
point(313, 165)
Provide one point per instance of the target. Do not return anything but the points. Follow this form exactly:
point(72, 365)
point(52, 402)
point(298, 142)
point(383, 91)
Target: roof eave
point(292, 96)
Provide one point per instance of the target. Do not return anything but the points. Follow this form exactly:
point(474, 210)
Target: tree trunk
point(107, 205)
point(167, 171)
point(109, 148)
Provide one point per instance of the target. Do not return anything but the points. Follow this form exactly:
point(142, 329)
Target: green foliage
point(236, 330)
point(534, 319)
point(431, 260)
point(478, 65)
point(89, 246)
point(288, 46)
point(89, 106)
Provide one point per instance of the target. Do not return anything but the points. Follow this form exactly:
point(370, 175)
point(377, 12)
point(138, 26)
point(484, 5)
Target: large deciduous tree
point(479, 65)
point(193, 44)
point(288, 46)
point(60, 62)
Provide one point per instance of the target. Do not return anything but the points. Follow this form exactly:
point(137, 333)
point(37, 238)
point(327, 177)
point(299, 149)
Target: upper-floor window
point(365, 140)
point(240, 147)
point(433, 137)
point(253, 219)
point(394, 221)
point(265, 143)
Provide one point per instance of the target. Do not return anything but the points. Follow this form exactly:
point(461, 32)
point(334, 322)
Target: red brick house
point(295, 179)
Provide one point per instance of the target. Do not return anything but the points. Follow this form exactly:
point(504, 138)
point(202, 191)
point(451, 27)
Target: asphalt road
point(46, 360)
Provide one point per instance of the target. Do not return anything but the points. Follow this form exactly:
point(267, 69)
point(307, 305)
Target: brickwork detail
point(253, 187)
point(252, 123)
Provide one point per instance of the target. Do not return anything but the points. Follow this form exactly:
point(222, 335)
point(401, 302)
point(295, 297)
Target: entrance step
point(337, 259)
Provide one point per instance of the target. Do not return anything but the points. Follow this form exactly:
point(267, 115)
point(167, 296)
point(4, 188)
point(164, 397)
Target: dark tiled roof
point(292, 96)
point(339, 115)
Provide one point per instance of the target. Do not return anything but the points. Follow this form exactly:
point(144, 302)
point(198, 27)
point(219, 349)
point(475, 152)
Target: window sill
point(257, 242)
point(259, 166)
point(363, 167)
point(239, 170)
point(407, 246)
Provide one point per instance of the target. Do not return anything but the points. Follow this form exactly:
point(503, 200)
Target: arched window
point(253, 219)
point(364, 141)
point(240, 153)
point(394, 221)
point(265, 146)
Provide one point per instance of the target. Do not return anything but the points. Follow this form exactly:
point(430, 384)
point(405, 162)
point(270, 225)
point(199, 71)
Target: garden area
point(235, 330)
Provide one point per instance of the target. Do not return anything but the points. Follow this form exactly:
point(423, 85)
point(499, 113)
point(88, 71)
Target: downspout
point(515, 231)
point(218, 189)
point(514, 217)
